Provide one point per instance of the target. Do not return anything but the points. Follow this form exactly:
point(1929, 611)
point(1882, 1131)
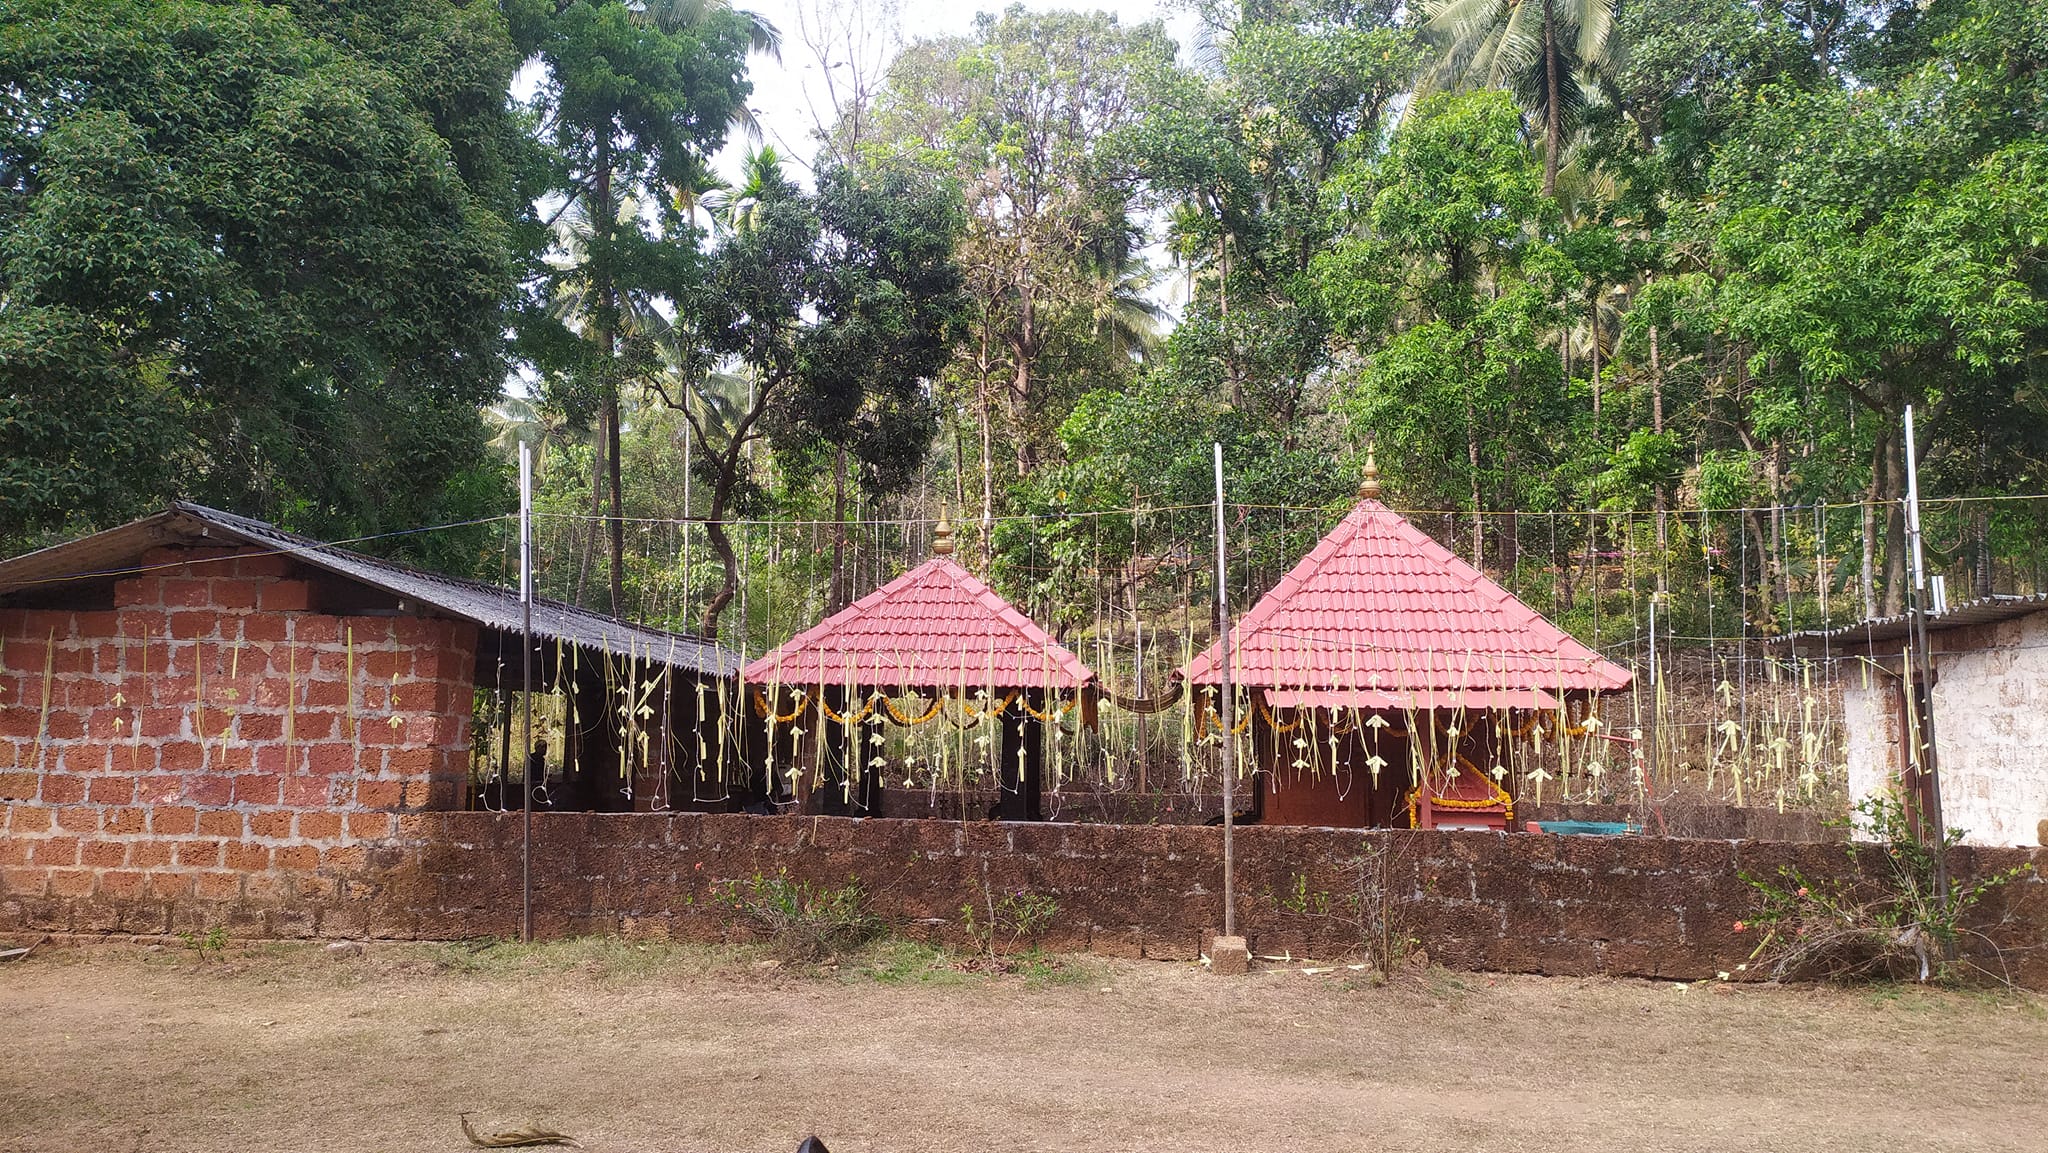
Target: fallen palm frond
point(22, 954)
point(512, 1138)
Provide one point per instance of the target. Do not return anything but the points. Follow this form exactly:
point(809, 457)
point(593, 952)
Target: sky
point(786, 93)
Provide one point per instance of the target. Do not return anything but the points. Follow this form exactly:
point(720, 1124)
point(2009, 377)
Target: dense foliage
point(253, 259)
point(1579, 270)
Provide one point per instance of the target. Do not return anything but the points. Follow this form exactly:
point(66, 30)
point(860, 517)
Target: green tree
point(632, 101)
point(250, 265)
point(1448, 285)
point(838, 309)
point(1542, 50)
point(1014, 117)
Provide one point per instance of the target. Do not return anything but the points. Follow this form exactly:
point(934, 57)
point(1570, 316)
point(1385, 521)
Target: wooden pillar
point(835, 748)
point(850, 787)
point(1021, 761)
point(1034, 757)
point(595, 785)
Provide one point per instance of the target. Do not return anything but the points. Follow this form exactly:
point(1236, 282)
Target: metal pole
point(1224, 703)
point(1921, 683)
point(1656, 725)
point(526, 689)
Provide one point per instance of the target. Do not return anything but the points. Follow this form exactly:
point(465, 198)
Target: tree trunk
point(603, 219)
point(590, 543)
point(1981, 572)
point(1223, 313)
point(1472, 458)
point(618, 522)
point(1778, 565)
point(1657, 426)
point(1894, 528)
point(1866, 575)
point(1024, 350)
point(729, 464)
point(1762, 614)
point(1564, 356)
point(1593, 323)
point(836, 598)
point(1553, 127)
point(988, 464)
point(714, 531)
point(959, 473)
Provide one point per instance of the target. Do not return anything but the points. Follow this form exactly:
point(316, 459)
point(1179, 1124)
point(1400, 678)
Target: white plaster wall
point(1991, 725)
point(1870, 727)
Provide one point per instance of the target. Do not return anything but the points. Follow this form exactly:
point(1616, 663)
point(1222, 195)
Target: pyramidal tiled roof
point(935, 627)
point(1381, 612)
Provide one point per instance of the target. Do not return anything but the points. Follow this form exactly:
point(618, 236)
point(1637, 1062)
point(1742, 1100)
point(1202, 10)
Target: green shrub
point(1891, 922)
point(1015, 917)
point(800, 923)
point(213, 944)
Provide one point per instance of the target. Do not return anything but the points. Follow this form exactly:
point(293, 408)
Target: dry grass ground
point(660, 1048)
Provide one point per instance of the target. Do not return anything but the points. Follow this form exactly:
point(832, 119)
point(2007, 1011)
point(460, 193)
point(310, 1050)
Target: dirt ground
point(658, 1048)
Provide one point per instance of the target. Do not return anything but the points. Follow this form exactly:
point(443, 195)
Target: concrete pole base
point(1229, 955)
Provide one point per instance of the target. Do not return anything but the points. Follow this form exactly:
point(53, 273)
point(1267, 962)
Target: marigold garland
point(1499, 797)
point(1207, 711)
point(994, 711)
point(825, 707)
point(761, 708)
point(897, 714)
point(1051, 715)
point(883, 701)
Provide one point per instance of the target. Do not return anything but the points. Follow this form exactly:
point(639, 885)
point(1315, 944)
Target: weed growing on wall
point(210, 945)
point(802, 923)
point(1892, 922)
point(1365, 914)
point(1013, 918)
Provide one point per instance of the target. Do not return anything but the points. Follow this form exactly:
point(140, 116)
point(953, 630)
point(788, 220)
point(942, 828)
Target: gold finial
point(942, 535)
point(1369, 488)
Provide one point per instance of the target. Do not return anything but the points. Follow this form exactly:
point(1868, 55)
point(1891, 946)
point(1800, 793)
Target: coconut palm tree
point(761, 179)
point(515, 420)
point(574, 295)
point(675, 15)
point(695, 187)
point(1548, 52)
point(1126, 316)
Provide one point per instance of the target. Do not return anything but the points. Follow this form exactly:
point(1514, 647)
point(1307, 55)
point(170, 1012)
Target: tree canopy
point(243, 263)
point(1581, 271)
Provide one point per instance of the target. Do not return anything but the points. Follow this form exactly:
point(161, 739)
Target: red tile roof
point(935, 627)
point(1378, 608)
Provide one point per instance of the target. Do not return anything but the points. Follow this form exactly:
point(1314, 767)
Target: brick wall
point(211, 738)
point(1566, 905)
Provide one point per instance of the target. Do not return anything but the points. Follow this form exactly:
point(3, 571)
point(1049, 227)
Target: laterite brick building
point(197, 707)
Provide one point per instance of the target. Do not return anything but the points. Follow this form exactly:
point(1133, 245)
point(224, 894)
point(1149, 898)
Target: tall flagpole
point(1224, 701)
point(526, 689)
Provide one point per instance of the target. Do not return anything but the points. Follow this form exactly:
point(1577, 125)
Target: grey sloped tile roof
point(489, 606)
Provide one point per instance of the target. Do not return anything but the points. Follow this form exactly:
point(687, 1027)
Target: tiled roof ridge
point(812, 645)
point(1545, 644)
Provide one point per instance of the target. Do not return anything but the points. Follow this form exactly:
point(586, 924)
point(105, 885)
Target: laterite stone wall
point(214, 743)
point(1627, 906)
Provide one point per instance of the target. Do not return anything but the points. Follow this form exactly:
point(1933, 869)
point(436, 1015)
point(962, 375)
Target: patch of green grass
point(1059, 969)
point(900, 961)
point(605, 957)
